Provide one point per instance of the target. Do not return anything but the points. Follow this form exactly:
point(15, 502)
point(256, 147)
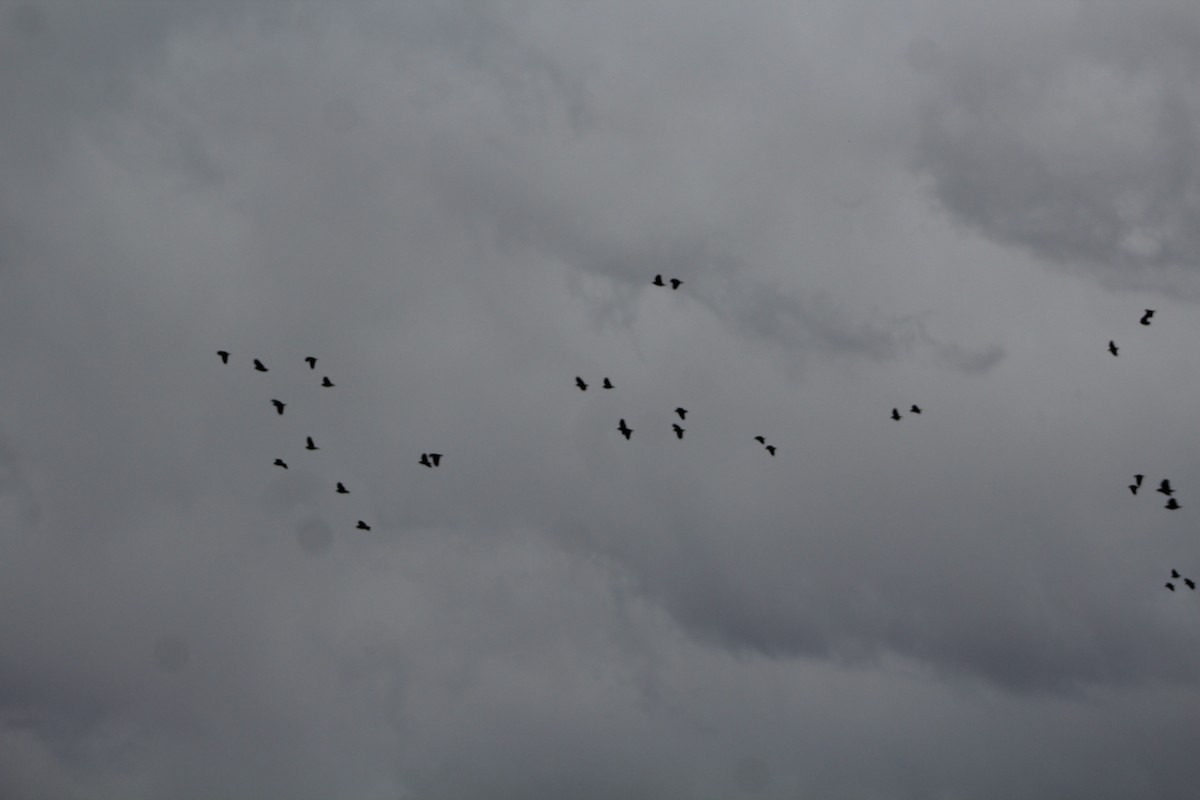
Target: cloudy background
point(458, 207)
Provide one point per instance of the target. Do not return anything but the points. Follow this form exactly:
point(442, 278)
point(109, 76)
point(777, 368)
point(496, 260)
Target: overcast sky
point(458, 207)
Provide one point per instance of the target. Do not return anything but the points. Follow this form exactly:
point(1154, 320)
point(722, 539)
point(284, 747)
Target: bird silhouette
point(312, 362)
point(310, 445)
point(579, 382)
point(676, 283)
point(1174, 573)
point(682, 412)
point(760, 439)
point(1172, 504)
point(1133, 488)
point(658, 281)
point(436, 458)
point(607, 384)
point(625, 429)
point(678, 430)
point(1191, 584)
point(895, 414)
point(258, 365)
point(1146, 317)
point(342, 489)
point(1112, 348)
point(771, 450)
point(1165, 487)
point(916, 409)
point(279, 404)
point(224, 354)
point(280, 463)
point(1138, 478)
point(362, 526)
point(1170, 585)
point(326, 382)
point(425, 460)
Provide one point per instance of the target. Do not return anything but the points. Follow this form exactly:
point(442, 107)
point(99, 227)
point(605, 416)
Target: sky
point(458, 207)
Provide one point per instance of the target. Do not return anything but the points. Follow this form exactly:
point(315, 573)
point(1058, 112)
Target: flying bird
point(579, 382)
point(312, 362)
point(425, 460)
point(658, 281)
point(279, 404)
point(362, 526)
point(678, 430)
point(895, 414)
point(771, 450)
point(1174, 573)
point(326, 382)
point(916, 409)
point(625, 429)
point(1146, 317)
point(1112, 348)
point(682, 412)
point(310, 445)
point(760, 439)
point(258, 365)
point(279, 462)
point(342, 489)
point(224, 354)
point(436, 458)
point(1170, 585)
point(607, 384)
point(1133, 488)
point(1138, 478)
point(676, 283)
point(1165, 488)
point(1191, 584)
point(1172, 504)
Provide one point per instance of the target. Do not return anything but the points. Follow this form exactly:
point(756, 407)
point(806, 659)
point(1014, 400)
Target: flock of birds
point(1164, 486)
point(433, 460)
point(430, 460)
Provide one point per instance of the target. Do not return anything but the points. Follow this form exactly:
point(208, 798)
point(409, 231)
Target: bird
point(678, 430)
point(1112, 348)
point(625, 429)
point(579, 382)
point(1133, 488)
point(341, 489)
point(1170, 585)
point(771, 450)
point(312, 362)
point(658, 281)
point(326, 382)
point(1191, 584)
point(1165, 488)
point(1172, 504)
point(279, 462)
point(310, 445)
point(362, 526)
point(895, 414)
point(607, 384)
point(760, 439)
point(279, 404)
point(436, 458)
point(1146, 317)
point(682, 412)
point(676, 283)
point(224, 354)
point(258, 365)
point(425, 460)
point(1174, 573)
point(916, 409)
point(1138, 478)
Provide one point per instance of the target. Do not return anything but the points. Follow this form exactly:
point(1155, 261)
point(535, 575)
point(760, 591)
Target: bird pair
point(916, 409)
point(431, 460)
point(583, 386)
point(675, 282)
point(763, 441)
